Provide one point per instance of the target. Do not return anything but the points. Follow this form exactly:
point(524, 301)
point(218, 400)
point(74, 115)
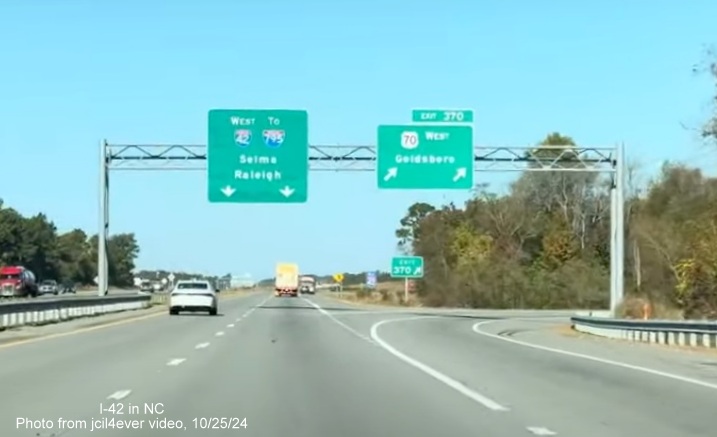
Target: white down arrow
point(228, 191)
point(287, 191)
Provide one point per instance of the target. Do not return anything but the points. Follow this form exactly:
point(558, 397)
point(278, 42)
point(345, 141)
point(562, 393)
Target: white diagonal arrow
point(390, 174)
point(287, 191)
point(460, 174)
point(228, 191)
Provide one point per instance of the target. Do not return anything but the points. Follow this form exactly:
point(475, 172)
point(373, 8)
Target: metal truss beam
point(363, 158)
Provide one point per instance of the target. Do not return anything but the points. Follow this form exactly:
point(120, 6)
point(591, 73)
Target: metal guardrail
point(44, 311)
point(667, 332)
point(76, 295)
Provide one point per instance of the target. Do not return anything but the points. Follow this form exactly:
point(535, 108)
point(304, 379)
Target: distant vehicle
point(146, 286)
point(49, 286)
point(193, 296)
point(67, 287)
point(287, 280)
point(17, 281)
point(307, 285)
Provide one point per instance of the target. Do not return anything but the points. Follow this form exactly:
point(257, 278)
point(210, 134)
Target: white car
point(193, 296)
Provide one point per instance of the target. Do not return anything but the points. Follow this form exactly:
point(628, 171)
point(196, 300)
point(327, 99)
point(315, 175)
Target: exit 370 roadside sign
point(408, 267)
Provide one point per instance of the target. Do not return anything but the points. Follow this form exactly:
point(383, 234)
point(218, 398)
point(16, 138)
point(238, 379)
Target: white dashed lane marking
point(252, 309)
point(119, 395)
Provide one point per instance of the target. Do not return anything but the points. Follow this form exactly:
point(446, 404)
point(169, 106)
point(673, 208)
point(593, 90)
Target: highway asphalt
point(316, 367)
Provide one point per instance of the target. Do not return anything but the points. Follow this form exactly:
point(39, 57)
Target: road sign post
point(258, 156)
point(371, 279)
point(339, 278)
point(442, 116)
point(424, 157)
point(406, 267)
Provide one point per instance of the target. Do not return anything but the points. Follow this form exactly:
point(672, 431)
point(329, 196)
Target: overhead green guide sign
point(442, 116)
point(425, 157)
point(407, 267)
point(258, 156)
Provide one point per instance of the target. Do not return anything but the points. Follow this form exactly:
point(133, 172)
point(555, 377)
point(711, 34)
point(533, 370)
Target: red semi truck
point(17, 281)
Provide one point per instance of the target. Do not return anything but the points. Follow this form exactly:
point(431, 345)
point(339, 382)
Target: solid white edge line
point(477, 329)
point(445, 379)
point(337, 321)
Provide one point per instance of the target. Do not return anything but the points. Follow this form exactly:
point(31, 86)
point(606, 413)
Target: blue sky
point(76, 71)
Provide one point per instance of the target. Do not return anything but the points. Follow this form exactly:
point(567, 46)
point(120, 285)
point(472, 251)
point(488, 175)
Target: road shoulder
point(557, 337)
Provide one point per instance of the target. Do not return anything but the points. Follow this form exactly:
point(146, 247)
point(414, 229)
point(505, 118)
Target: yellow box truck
point(286, 282)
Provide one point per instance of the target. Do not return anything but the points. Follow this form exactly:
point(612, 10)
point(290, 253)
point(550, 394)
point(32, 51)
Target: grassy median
point(385, 294)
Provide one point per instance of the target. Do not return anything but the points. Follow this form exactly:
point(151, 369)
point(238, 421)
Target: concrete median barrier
point(45, 311)
point(56, 309)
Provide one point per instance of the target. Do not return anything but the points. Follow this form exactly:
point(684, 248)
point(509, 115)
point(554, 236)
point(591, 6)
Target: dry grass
point(567, 331)
point(634, 307)
point(386, 293)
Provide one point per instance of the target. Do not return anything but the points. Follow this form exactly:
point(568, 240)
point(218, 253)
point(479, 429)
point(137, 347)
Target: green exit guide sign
point(442, 116)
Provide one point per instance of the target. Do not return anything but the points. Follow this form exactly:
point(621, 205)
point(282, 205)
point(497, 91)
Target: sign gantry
point(264, 156)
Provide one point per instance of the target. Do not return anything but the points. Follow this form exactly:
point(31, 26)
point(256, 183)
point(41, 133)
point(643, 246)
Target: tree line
point(545, 243)
point(35, 243)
